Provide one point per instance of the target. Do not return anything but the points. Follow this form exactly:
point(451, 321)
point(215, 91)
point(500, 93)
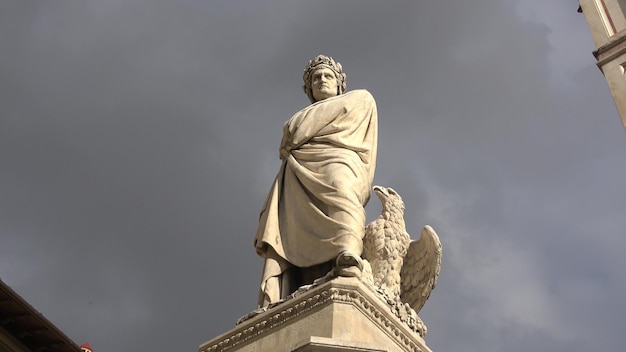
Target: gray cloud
point(138, 141)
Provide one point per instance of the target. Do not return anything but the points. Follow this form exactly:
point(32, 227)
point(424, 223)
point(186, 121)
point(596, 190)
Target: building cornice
point(28, 326)
point(611, 50)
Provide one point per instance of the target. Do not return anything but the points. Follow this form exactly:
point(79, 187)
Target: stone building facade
point(607, 24)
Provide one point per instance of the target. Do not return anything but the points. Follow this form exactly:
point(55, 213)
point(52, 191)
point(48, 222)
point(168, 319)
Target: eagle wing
point(420, 270)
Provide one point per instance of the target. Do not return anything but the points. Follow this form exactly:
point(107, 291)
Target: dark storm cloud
point(138, 141)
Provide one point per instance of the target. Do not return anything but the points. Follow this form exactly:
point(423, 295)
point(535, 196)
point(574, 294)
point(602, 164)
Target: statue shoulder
point(361, 96)
point(361, 93)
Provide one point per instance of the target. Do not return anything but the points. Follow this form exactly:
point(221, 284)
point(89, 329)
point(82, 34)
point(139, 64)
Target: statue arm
point(303, 126)
point(321, 117)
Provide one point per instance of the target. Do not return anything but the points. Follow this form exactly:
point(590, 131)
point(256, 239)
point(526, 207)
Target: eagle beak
point(380, 191)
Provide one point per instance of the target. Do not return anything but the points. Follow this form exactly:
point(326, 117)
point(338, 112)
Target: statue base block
point(343, 314)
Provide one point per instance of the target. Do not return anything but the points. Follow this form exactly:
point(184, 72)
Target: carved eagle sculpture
point(403, 270)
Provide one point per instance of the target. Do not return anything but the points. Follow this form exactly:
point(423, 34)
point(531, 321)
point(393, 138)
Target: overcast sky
point(138, 140)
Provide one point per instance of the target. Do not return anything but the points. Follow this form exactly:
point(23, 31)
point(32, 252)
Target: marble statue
point(313, 220)
point(312, 230)
point(403, 272)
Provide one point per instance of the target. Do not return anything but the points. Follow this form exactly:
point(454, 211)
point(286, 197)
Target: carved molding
point(611, 50)
point(293, 309)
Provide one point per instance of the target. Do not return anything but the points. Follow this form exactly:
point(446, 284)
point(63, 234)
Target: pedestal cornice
point(324, 311)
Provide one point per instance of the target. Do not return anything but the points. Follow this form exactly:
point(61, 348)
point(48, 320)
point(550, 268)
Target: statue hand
point(284, 153)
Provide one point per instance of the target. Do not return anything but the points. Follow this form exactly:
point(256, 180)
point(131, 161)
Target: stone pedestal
point(340, 315)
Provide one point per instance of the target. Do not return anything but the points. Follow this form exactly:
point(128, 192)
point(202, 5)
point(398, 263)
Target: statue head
point(315, 70)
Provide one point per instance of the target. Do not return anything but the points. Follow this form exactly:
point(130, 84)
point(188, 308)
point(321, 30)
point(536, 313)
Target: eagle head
point(389, 198)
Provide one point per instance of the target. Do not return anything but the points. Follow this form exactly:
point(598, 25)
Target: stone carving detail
point(403, 272)
point(313, 221)
point(334, 294)
point(313, 218)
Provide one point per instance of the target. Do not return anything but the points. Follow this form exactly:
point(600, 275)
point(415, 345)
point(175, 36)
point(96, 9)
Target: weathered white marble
point(314, 215)
point(403, 271)
point(343, 314)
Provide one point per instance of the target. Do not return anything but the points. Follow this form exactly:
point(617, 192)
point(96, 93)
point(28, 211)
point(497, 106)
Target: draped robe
point(315, 207)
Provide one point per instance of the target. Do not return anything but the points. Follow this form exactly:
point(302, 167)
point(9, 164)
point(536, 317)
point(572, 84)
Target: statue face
point(323, 83)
